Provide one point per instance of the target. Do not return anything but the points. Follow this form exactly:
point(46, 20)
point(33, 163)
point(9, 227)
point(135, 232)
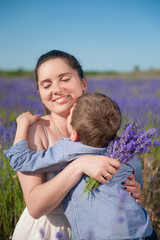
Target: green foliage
point(100, 73)
point(11, 199)
point(16, 73)
point(135, 75)
point(136, 68)
point(12, 115)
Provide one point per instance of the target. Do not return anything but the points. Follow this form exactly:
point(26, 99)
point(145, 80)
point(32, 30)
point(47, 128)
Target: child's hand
point(27, 118)
point(98, 167)
point(23, 122)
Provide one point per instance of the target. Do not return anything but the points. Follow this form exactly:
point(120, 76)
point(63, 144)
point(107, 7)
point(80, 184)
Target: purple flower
point(42, 233)
point(60, 236)
point(132, 141)
point(156, 143)
point(153, 177)
point(90, 235)
point(120, 219)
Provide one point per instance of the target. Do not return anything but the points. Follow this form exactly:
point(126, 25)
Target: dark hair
point(96, 118)
point(71, 61)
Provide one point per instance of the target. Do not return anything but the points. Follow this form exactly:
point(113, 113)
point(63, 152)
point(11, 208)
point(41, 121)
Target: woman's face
point(59, 86)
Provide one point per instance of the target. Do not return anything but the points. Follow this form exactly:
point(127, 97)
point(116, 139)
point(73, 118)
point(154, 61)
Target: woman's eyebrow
point(63, 74)
point(44, 80)
point(60, 75)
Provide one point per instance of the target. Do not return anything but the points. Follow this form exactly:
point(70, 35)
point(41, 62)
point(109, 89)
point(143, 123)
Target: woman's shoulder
point(37, 138)
point(36, 127)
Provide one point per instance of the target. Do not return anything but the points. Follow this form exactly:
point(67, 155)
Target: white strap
point(45, 130)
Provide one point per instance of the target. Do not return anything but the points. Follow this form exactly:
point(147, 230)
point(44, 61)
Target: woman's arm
point(41, 197)
point(134, 184)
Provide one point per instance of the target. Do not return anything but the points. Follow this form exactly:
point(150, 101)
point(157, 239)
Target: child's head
point(96, 119)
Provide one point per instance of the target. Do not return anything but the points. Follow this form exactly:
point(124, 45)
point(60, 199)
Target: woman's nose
point(56, 87)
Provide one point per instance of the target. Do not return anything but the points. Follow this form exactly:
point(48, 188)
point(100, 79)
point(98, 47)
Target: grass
point(11, 199)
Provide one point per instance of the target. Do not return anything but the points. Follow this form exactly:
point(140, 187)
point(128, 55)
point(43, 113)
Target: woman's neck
point(60, 124)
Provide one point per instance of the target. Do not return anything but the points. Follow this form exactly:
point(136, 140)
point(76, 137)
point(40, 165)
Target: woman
point(60, 82)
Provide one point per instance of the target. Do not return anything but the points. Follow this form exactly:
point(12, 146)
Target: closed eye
point(46, 86)
point(65, 79)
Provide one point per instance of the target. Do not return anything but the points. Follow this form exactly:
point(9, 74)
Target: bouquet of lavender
point(134, 140)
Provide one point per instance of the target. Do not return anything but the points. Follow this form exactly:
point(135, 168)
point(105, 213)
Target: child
point(93, 121)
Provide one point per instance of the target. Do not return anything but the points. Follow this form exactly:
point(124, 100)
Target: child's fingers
point(37, 116)
point(114, 163)
point(34, 118)
point(107, 175)
point(27, 118)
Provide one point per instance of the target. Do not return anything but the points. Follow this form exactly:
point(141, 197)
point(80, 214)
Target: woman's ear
point(74, 136)
point(84, 84)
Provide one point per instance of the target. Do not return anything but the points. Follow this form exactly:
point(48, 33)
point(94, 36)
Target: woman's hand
point(99, 167)
point(133, 187)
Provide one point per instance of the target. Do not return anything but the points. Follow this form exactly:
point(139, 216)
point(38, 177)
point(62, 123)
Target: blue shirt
point(99, 212)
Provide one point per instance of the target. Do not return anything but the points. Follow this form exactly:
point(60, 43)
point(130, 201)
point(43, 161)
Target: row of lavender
point(137, 99)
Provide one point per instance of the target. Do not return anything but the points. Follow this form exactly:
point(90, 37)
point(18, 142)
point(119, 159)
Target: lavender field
point(137, 99)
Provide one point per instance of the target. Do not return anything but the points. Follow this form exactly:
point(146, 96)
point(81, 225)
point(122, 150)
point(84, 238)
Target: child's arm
point(22, 159)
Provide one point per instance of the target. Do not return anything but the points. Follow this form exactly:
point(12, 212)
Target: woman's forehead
point(60, 62)
point(56, 67)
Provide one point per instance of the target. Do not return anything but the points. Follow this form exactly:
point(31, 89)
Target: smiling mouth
point(61, 99)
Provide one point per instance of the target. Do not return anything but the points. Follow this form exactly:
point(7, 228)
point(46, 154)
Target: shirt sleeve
point(137, 170)
point(55, 158)
point(22, 159)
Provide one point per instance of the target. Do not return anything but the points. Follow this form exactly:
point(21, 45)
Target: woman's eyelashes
point(46, 86)
point(65, 79)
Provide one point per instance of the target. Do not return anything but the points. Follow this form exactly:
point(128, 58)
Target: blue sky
point(102, 34)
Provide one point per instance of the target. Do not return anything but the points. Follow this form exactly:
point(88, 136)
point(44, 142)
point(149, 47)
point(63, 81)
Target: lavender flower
point(1, 164)
point(90, 235)
point(42, 233)
point(133, 141)
point(121, 201)
point(120, 219)
point(60, 236)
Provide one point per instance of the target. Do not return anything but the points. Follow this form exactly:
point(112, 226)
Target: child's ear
point(74, 136)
